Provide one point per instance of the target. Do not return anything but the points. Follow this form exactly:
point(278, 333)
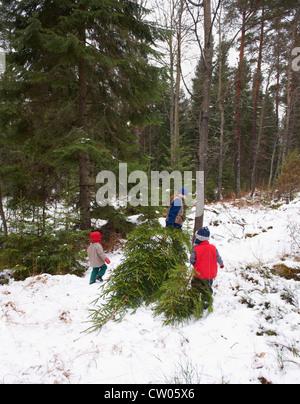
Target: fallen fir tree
point(154, 272)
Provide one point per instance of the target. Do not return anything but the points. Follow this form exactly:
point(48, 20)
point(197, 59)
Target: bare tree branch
point(195, 4)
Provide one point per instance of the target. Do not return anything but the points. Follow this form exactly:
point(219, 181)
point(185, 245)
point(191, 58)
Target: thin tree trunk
point(288, 114)
point(256, 89)
point(221, 108)
point(177, 88)
point(261, 126)
point(205, 108)
point(237, 111)
point(172, 90)
point(290, 94)
point(84, 160)
point(276, 105)
point(2, 214)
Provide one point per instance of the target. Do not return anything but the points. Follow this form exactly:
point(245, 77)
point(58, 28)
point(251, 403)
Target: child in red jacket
point(97, 257)
point(205, 258)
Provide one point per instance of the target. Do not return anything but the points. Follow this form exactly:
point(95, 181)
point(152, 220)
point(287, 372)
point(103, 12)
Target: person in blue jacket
point(175, 213)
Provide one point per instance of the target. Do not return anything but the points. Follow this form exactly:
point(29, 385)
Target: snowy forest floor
point(252, 336)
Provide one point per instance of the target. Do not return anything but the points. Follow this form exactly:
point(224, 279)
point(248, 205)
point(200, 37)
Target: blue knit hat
point(202, 235)
point(183, 191)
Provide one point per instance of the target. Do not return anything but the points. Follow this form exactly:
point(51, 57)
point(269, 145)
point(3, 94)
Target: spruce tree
point(154, 273)
point(150, 254)
point(80, 81)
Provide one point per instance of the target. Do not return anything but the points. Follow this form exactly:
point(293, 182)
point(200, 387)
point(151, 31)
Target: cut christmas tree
point(154, 272)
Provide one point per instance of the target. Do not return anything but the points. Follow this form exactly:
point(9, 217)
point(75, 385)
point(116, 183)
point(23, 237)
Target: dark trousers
point(173, 226)
point(98, 272)
point(204, 288)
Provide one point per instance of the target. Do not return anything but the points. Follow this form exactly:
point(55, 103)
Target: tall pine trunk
point(290, 94)
point(257, 81)
point(276, 142)
point(237, 162)
point(205, 107)
point(2, 214)
point(172, 101)
point(221, 108)
point(177, 88)
point(84, 160)
point(260, 135)
point(172, 87)
point(177, 10)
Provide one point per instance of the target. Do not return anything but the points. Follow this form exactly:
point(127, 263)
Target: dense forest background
point(91, 84)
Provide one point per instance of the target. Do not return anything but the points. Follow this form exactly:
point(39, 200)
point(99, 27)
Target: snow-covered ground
point(253, 335)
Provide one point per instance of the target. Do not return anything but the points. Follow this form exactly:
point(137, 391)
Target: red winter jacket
point(206, 265)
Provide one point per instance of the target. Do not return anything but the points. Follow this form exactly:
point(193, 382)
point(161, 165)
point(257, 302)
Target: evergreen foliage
point(154, 272)
point(177, 301)
point(36, 245)
point(78, 81)
point(56, 253)
point(288, 182)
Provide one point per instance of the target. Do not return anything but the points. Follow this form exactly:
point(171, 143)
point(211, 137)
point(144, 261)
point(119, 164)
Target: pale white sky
point(191, 52)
